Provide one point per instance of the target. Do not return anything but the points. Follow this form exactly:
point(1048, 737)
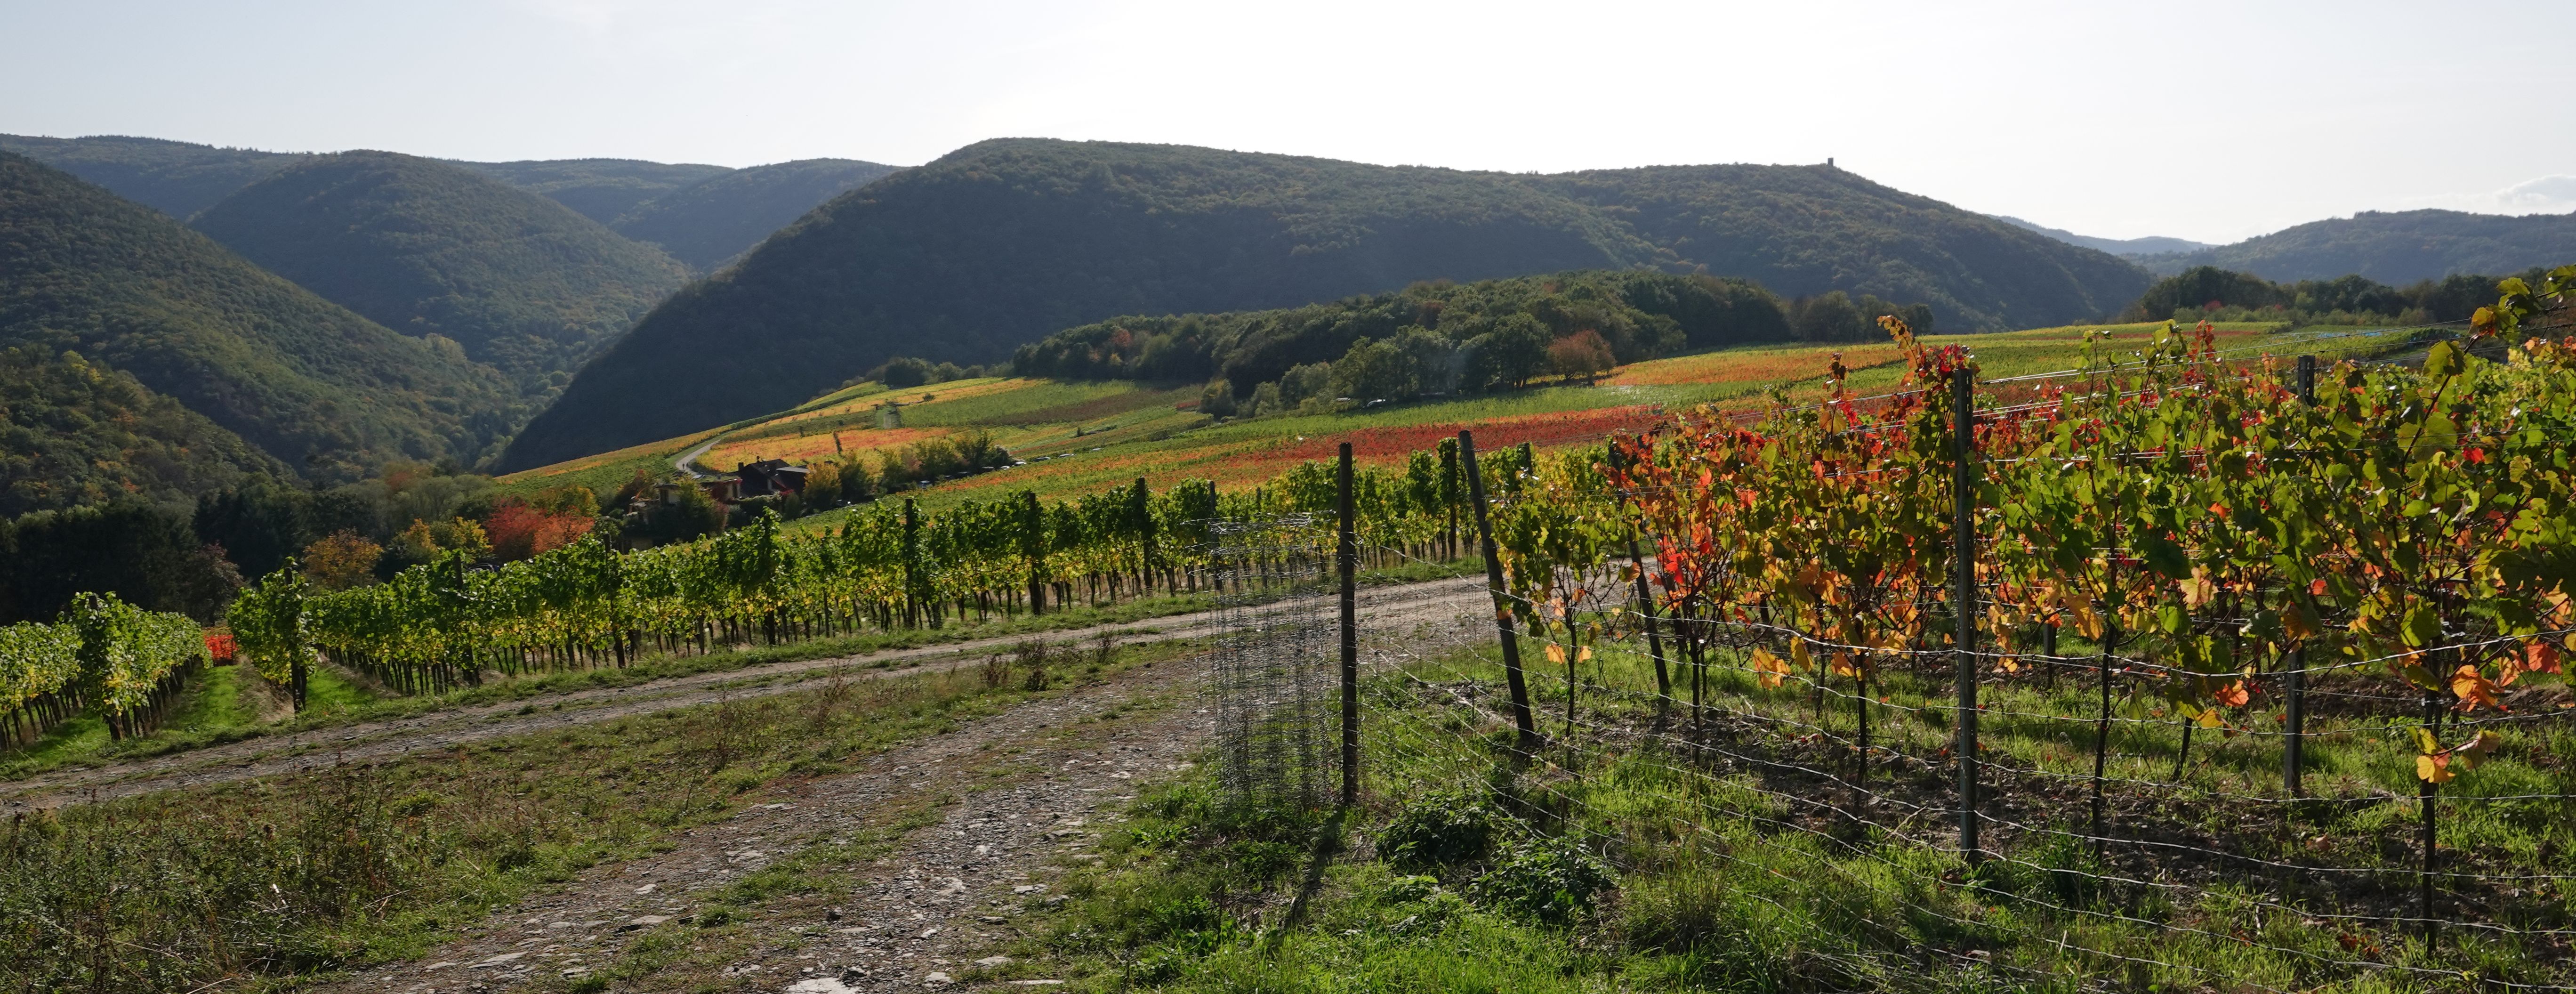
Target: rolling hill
point(1005, 241)
point(2124, 247)
point(430, 248)
point(175, 178)
point(1804, 230)
point(701, 214)
point(725, 215)
point(602, 190)
point(306, 381)
point(2395, 248)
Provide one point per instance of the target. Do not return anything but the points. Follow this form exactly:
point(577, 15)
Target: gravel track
point(1002, 806)
point(1435, 600)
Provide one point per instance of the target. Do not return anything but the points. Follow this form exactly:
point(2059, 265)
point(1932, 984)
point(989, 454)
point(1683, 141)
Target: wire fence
point(1272, 666)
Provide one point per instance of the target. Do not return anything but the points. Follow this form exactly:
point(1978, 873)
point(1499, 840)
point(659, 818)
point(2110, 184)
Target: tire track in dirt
point(447, 728)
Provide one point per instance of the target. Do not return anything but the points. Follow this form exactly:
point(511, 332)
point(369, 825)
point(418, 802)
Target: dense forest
point(2211, 292)
point(424, 247)
point(2399, 248)
point(189, 554)
point(1805, 230)
point(1003, 242)
point(73, 433)
point(320, 389)
point(1442, 337)
point(725, 215)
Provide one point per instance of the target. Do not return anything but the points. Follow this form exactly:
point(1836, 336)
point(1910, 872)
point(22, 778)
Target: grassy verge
point(1625, 860)
point(269, 881)
point(337, 700)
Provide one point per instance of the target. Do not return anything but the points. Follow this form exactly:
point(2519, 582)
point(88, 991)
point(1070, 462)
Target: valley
point(601, 574)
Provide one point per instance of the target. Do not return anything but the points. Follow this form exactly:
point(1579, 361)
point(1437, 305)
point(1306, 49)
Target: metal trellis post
point(1963, 401)
point(1349, 556)
point(2295, 722)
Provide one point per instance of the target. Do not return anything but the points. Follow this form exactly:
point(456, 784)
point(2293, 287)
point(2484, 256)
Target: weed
point(1552, 881)
point(1438, 830)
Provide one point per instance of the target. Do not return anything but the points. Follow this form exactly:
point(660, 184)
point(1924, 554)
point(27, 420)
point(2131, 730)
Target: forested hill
point(74, 433)
point(725, 215)
point(1005, 241)
point(2393, 247)
point(1803, 230)
point(2128, 248)
point(700, 214)
point(319, 388)
point(431, 248)
point(175, 178)
point(603, 190)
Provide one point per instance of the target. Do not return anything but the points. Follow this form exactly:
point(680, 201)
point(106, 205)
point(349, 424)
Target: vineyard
point(2196, 666)
point(888, 566)
point(127, 662)
point(2190, 668)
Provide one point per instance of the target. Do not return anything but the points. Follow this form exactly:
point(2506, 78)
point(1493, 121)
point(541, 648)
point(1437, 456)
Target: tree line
point(1438, 338)
point(2210, 293)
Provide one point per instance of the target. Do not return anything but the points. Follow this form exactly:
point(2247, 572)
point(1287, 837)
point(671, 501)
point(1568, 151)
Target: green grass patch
point(1729, 867)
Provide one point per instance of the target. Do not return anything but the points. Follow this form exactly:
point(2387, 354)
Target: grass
point(1735, 869)
point(336, 699)
point(263, 884)
point(224, 704)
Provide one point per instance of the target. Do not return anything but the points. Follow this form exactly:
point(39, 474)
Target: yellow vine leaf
point(1768, 669)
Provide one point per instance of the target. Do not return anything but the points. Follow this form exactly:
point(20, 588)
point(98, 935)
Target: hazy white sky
point(2212, 121)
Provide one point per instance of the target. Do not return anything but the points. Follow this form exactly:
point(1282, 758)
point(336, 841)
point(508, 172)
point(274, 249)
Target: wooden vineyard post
point(2294, 723)
point(1646, 609)
point(911, 565)
point(1033, 548)
point(1349, 556)
point(1963, 494)
point(1521, 717)
point(1654, 637)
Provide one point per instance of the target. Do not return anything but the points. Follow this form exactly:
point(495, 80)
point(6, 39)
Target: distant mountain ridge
point(2127, 248)
point(723, 216)
point(2396, 248)
point(312, 385)
point(175, 178)
point(602, 190)
point(1006, 241)
point(701, 214)
point(426, 247)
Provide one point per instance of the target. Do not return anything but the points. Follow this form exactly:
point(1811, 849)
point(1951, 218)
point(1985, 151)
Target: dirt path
point(1001, 798)
point(443, 729)
point(921, 862)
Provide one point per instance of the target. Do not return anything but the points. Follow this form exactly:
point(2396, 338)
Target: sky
point(2208, 121)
